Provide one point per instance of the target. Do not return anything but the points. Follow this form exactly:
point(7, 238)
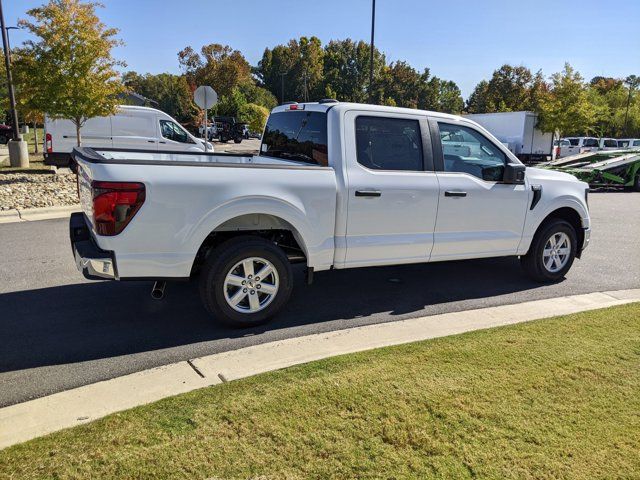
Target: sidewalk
point(33, 214)
point(34, 418)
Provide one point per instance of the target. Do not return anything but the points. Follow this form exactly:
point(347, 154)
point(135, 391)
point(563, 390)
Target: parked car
point(6, 133)
point(579, 145)
point(418, 187)
point(228, 128)
point(211, 131)
point(608, 144)
point(518, 131)
point(631, 143)
point(132, 127)
point(563, 148)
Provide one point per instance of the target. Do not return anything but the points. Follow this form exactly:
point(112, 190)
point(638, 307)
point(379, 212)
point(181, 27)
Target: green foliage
point(218, 66)
point(254, 115)
point(172, 92)
point(567, 108)
point(340, 70)
point(67, 71)
point(508, 90)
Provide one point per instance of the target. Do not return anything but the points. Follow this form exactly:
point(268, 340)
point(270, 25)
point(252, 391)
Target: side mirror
point(514, 173)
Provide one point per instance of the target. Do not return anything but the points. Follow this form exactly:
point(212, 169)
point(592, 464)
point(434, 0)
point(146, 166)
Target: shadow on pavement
point(75, 323)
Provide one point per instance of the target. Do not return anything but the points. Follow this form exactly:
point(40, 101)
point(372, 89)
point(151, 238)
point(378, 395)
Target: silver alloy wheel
point(251, 285)
point(556, 252)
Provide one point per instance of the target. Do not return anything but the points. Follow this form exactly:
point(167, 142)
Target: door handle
point(162, 142)
point(151, 141)
point(368, 193)
point(451, 193)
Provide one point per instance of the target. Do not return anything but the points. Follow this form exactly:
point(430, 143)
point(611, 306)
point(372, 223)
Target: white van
point(132, 127)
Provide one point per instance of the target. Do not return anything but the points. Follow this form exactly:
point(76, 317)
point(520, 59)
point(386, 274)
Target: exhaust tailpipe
point(157, 292)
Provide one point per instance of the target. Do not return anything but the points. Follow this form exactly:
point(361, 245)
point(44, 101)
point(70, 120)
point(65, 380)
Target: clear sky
point(461, 40)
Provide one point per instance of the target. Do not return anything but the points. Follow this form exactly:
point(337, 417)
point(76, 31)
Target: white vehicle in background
point(132, 127)
point(518, 132)
point(212, 131)
point(563, 148)
point(608, 144)
point(629, 143)
point(579, 145)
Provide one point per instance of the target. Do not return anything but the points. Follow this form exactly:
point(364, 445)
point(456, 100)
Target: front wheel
point(552, 252)
point(246, 281)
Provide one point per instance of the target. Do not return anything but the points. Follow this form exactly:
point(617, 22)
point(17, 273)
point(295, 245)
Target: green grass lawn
point(556, 398)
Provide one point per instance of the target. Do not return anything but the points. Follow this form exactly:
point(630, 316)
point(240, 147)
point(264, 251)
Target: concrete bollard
point(18, 153)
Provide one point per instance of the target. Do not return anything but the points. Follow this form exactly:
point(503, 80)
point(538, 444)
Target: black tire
point(221, 261)
point(237, 140)
point(533, 262)
point(4, 139)
point(636, 183)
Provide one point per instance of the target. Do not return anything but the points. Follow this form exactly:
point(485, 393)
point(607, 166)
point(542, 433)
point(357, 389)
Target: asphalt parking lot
point(59, 331)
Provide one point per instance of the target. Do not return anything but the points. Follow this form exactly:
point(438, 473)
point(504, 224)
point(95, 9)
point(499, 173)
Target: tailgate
point(84, 189)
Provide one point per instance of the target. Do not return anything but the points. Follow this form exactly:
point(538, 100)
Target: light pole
point(373, 26)
point(633, 81)
point(282, 74)
point(18, 155)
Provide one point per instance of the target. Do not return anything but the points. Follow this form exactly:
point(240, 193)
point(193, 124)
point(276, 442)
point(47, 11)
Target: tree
point(69, 65)
point(218, 66)
point(254, 115)
point(293, 71)
point(172, 93)
point(449, 97)
point(346, 71)
point(566, 108)
point(478, 101)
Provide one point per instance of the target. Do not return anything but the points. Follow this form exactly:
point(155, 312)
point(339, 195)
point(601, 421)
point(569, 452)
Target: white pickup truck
point(335, 185)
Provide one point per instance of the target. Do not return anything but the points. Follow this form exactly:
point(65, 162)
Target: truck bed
point(189, 195)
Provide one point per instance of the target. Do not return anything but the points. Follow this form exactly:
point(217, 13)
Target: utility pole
point(373, 26)
point(306, 94)
point(633, 82)
point(18, 154)
point(282, 74)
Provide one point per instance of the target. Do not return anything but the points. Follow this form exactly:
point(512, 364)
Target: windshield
point(296, 135)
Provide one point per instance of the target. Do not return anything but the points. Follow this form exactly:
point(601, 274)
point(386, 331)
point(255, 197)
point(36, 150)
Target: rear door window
point(297, 135)
point(610, 143)
point(384, 143)
point(591, 142)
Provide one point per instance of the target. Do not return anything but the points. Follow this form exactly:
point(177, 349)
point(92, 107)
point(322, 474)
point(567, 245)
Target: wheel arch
point(570, 215)
point(276, 228)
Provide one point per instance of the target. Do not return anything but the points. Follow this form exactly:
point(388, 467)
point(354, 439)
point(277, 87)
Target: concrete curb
point(24, 421)
point(34, 214)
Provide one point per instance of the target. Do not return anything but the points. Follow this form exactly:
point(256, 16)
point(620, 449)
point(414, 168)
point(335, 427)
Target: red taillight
point(48, 143)
point(115, 204)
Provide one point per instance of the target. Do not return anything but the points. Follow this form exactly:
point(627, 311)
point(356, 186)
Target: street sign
point(205, 97)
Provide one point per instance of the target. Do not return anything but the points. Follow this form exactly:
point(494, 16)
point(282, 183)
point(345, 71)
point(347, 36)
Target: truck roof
point(324, 107)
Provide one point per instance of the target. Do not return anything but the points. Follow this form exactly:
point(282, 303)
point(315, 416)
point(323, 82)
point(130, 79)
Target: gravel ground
point(22, 190)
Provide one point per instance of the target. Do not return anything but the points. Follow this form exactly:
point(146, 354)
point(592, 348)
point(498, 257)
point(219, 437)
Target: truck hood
point(542, 174)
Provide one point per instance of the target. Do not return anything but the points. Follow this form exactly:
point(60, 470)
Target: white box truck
point(518, 131)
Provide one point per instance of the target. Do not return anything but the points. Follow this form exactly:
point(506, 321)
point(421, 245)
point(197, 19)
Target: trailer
point(517, 130)
point(613, 168)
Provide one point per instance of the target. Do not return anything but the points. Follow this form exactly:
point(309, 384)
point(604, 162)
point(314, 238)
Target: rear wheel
point(552, 251)
point(246, 281)
point(636, 183)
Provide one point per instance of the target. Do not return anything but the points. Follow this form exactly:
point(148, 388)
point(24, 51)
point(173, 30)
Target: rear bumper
point(93, 262)
point(57, 159)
